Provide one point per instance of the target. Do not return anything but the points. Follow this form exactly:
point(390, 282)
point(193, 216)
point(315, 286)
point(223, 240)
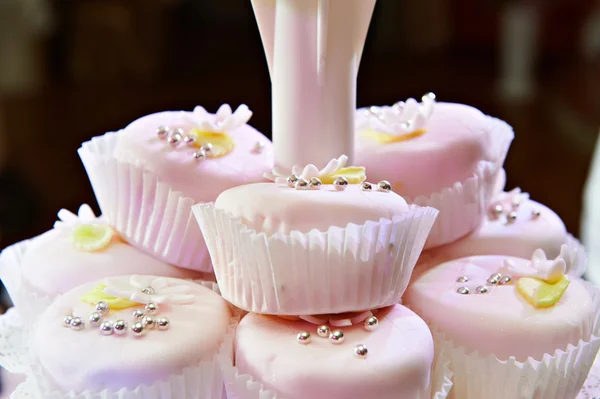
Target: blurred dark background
point(71, 70)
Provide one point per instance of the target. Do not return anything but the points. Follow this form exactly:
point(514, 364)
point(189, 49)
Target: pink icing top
point(176, 166)
point(86, 359)
point(456, 139)
point(520, 238)
point(52, 265)
point(276, 208)
point(398, 363)
point(498, 322)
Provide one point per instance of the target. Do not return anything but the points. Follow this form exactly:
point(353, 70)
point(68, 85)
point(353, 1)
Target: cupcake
point(389, 355)
point(79, 249)
point(512, 327)
point(514, 226)
point(314, 242)
point(132, 337)
point(444, 155)
point(147, 176)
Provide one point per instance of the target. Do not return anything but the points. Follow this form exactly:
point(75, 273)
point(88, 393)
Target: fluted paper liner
point(203, 380)
point(463, 205)
point(145, 211)
point(244, 386)
point(580, 264)
point(357, 267)
point(558, 375)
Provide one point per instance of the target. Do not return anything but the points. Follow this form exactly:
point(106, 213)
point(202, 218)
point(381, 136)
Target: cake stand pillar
point(313, 50)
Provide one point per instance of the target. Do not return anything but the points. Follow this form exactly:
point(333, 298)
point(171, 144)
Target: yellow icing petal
point(541, 294)
point(222, 143)
point(97, 294)
point(92, 237)
point(354, 175)
point(386, 138)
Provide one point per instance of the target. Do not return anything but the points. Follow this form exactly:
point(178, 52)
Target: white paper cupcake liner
point(358, 267)
point(201, 381)
point(580, 264)
point(441, 378)
point(558, 375)
point(146, 212)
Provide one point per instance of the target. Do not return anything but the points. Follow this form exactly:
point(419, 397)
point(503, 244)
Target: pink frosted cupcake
point(447, 156)
point(147, 176)
point(515, 226)
point(389, 355)
point(79, 249)
point(313, 242)
point(511, 327)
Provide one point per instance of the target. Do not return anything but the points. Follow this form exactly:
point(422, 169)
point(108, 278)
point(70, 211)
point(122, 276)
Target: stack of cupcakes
point(321, 258)
point(109, 288)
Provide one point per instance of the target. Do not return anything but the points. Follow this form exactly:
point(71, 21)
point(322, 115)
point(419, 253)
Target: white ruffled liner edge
point(580, 265)
point(463, 205)
point(145, 211)
point(557, 375)
point(244, 386)
point(345, 269)
point(201, 381)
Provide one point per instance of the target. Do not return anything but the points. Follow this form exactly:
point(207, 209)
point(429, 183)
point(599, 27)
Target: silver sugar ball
point(174, 139)
point(301, 184)
point(407, 125)
point(511, 217)
point(151, 308)
point(138, 329)
point(535, 214)
point(303, 337)
point(138, 314)
point(462, 279)
point(162, 132)
point(189, 140)
point(482, 289)
point(259, 147)
point(199, 155)
point(102, 308)
point(431, 96)
point(67, 320)
point(207, 147)
point(366, 186)
point(163, 323)
point(149, 322)
point(291, 181)
point(361, 351)
point(497, 210)
point(340, 183)
point(505, 280)
point(77, 324)
point(494, 278)
point(337, 336)
point(370, 323)
point(95, 319)
point(314, 183)
point(384, 186)
point(148, 291)
point(463, 290)
point(107, 328)
point(120, 327)
point(323, 331)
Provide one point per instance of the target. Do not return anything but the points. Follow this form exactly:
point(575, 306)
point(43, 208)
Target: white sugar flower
point(224, 120)
point(402, 118)
point(144, 289)
point(85, 215)
point(540, 267)
point(335, 168)
point(511, 199)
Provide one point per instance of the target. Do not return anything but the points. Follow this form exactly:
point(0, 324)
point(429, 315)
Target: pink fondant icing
point(520, 238)
point(52, 265)
point(457, 138)
point(88, 360)
point(499, 322)
point(276, 208)
point(175, 166)
point(398, 364)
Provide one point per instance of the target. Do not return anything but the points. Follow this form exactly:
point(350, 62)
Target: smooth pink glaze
point(200, 180)
point(519, 239)
point(276, 208)
point(52, 265)
point(457, 138)
point(398, 365)
point(88, 360)
point(499, 322)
